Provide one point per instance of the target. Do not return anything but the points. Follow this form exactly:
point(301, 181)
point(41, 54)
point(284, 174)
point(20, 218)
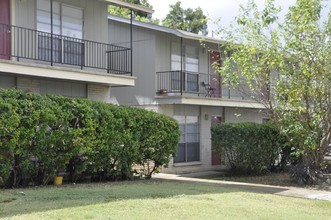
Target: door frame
point(5, 36)
point(215, 56)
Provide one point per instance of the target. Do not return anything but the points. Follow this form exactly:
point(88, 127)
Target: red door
point(215, 160)
point(215, 78)
point(4, 29)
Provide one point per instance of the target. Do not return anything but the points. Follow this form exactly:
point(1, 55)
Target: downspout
point(51, 32)
point(181, 66)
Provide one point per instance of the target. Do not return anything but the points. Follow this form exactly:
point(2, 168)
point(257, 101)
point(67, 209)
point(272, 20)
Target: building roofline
point(179, 33)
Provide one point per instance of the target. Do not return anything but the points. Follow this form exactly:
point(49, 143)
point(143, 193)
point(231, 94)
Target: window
point(191, 59)
point(67, 22)
point(189, 146)
point(190, 66)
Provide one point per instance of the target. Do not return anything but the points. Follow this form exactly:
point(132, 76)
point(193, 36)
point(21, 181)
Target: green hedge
point(249, 148)
point(43, 135)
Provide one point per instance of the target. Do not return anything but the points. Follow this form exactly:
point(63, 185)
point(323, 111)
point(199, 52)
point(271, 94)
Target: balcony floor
point(207, 101)
point(65, 73)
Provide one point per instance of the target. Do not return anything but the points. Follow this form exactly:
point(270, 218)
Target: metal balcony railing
point(193, 83)
point(28, 44)
point(181, 82)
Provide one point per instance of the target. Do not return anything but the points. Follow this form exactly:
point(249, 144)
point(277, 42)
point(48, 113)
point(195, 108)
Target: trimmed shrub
point(248, 148)
point(43, 135)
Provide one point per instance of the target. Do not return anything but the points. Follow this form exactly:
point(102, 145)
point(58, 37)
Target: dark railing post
point(108, 61)
point(181, 66)
point(131, 44)
point(198, 84)
point(83, 54)
point(51, 2)
point(78, 52)
point(18, 46)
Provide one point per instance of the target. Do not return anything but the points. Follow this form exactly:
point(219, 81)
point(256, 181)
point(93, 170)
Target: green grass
point(276, 179)
point(154, 200)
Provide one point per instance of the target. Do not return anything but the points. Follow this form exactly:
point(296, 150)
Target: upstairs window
point(67, 20)
point(67, 46)
point(190, 66)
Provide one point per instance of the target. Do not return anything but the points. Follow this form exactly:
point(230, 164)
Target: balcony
point(185, 83)
point(191, 88)
point(182, 82)
point(23, 44)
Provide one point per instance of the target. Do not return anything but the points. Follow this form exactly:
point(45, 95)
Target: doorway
point(215, 78)
point(4, 29)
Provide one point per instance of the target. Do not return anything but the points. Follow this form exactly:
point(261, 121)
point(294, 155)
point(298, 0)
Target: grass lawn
point(276, 179)
point(154, 199)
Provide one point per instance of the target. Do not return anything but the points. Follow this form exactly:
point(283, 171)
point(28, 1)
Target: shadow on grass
point(29, 200)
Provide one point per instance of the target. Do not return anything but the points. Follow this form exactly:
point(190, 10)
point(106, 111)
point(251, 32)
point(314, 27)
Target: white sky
point(214, 9)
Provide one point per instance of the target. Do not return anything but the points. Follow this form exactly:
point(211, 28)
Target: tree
point(192, 20)
point(285, 65)
point(126, 13)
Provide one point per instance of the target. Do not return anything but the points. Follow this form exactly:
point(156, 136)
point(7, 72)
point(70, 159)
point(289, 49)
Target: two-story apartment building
point(73, 48)
point(62, 47)
point(175, 77)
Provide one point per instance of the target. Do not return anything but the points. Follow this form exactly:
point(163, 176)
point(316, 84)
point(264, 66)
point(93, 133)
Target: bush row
point(43, 135)
point(250, 148)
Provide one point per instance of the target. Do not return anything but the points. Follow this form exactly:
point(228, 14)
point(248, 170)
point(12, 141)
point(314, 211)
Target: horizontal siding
point(64, 88)
point(98, 93)
point(28, 84)
point(7, 82)
point(143, 92)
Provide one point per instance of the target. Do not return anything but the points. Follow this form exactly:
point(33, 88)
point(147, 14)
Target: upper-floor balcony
point(33, 46)
point(185, 87)
point(186, 83)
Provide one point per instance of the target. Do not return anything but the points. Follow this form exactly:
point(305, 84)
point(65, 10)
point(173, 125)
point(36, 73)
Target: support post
point(181, 67)
point(131, 44)
point(51, 32)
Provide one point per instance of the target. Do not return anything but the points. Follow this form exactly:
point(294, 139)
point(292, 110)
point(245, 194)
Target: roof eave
point(131, 6)
point(179, 33)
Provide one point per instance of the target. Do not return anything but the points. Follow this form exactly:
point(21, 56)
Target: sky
point(214, 9)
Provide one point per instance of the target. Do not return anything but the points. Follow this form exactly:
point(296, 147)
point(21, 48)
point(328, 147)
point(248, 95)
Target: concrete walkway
point(278, 190)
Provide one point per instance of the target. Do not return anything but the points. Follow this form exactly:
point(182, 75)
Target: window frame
point(187, 143)
point(189, 67)
point(67, 49)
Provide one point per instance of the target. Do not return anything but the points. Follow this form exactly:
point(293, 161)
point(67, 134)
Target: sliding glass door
point(66, 45)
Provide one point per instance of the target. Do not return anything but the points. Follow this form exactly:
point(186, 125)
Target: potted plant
point(163, 92)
